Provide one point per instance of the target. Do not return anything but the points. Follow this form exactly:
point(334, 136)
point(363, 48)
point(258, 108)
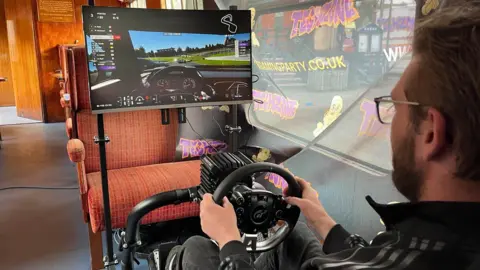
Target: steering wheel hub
point(260, 215)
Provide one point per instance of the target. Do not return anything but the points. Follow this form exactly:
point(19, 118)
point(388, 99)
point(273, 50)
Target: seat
point(128, 186)
point(140, 161)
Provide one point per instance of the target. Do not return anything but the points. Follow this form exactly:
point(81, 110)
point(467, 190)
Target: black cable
point(201, 137)
point(41, 188)
point(249, 135)
point(258, 78)
point(250, 122)
point(218, 124)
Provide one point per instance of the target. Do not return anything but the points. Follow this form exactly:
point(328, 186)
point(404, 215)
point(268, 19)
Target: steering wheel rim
point(294, 189)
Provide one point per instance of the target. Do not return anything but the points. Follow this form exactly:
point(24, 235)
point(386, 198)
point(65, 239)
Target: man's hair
point(447, 44)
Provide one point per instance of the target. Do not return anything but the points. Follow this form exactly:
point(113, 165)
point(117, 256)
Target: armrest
point(76, 150)
point(62, 102)
point(76, 153)
point(69, 129)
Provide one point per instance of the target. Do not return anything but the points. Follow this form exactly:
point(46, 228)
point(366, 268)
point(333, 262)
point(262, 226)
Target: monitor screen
point(150, 58)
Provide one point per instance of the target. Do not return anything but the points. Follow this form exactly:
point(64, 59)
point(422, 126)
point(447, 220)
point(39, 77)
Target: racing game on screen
point(140, 59)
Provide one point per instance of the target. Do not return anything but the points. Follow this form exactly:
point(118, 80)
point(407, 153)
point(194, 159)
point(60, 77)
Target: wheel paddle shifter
point(263, 218)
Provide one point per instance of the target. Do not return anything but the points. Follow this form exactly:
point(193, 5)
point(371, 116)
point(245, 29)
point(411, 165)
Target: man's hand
point(312, 208)
point(219, 223)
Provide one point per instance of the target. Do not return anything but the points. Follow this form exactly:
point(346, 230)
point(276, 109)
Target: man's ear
point(433, 132)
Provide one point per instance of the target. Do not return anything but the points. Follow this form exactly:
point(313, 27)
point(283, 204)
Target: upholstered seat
point(140, 159)
point(129, 186)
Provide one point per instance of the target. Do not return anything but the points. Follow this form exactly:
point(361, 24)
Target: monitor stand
point(233, 129)
point(165, 116)
point(182, 116)
point(101, 139)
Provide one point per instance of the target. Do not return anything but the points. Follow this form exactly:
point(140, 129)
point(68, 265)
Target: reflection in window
point(320, 67)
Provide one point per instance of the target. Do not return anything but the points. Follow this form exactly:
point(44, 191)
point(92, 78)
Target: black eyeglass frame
point(388, 99)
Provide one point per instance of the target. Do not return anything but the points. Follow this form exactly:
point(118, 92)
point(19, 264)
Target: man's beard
point(406, 176)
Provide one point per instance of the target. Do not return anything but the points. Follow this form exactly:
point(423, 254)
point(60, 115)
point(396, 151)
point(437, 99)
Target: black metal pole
point(234, 134)
point(102, 140)
point(233, 138)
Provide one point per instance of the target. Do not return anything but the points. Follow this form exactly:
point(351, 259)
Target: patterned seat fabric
point(129, 186)
point(137, 140)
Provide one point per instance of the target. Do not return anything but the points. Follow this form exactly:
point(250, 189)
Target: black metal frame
point(234, 130)
point(101, 139)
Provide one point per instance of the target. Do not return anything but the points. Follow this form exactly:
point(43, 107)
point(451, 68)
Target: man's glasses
point(386, 108)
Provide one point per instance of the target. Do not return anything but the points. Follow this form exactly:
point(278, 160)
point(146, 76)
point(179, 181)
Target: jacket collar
point(461, 217)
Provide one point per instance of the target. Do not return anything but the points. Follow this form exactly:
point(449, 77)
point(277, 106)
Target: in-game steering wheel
point(260, 212)
point(175, 79)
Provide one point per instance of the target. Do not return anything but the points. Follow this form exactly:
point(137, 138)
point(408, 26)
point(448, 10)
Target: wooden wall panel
point(51, 34)
point(7, 95)
point(23, 58)
point(210, 5)
point(154, 4)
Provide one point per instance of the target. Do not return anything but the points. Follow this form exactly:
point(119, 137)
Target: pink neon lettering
point(400, 23)
point(296, 17)
point(276, 180)
point(276, 104)
point(332, 13)
point(197, 148)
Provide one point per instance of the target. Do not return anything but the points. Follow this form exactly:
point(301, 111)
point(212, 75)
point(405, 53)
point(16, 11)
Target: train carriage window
point(321, 63)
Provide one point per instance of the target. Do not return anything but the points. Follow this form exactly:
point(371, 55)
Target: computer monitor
point(142, 59)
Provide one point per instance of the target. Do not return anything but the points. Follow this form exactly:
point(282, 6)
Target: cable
point(218, 124)
point(250, 122)
point(258, 78)
point(41, 188)
point(203, 138)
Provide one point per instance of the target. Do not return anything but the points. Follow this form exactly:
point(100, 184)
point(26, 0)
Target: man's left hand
point(219, 222)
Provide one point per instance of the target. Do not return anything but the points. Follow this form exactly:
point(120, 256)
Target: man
point(435, 122)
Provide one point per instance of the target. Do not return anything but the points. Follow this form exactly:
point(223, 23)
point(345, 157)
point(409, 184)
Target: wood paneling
point(23, 58)
point(51, 34)
point(7, 96)
point(154, 4)
point(209, 5)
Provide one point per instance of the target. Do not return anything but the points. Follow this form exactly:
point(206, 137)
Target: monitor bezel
point(169, 106)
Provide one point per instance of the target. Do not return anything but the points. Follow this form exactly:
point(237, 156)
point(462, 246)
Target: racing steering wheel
point(258, 211)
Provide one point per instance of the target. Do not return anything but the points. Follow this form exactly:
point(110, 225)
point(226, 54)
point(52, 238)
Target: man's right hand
point(312, 208)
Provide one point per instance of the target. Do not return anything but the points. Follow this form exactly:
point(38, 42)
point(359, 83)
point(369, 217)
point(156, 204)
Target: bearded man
point(434, 113)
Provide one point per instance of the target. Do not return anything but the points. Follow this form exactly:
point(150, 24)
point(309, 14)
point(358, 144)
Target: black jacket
point(419, 236)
